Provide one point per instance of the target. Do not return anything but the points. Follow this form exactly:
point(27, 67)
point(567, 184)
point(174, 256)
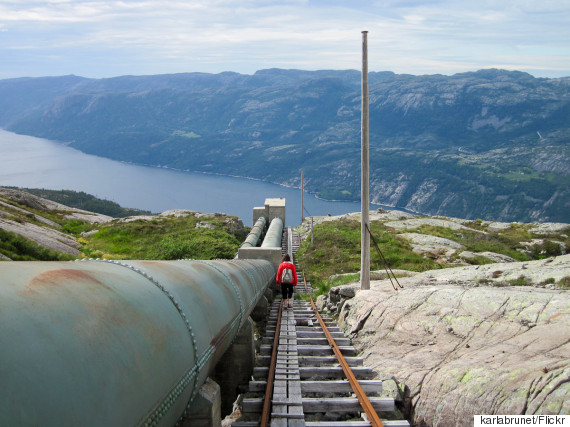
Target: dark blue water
point(27, 161)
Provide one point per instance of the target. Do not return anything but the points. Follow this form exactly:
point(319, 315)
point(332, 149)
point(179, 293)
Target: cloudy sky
point(104, 38)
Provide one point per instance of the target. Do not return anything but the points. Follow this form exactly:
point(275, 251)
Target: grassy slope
point(336, 249)
point(156, 238)
point(164, 238)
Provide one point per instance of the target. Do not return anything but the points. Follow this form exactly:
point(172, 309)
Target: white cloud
point(412, 36)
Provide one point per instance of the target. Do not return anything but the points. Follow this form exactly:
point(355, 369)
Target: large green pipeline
point(274, 233)
point(255, 233)
point(112, 343)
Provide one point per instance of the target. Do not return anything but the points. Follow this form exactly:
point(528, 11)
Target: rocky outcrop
point(464, 341)
point(535, 238)
point(413, 222)
point(36, 203)
point(43, 236)
point(22, 213)
point(422, 243)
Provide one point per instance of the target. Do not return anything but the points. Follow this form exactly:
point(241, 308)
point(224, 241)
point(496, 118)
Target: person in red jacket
point(287, 278)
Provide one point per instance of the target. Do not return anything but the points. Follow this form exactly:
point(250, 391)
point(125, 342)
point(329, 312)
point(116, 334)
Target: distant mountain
point(490, 144)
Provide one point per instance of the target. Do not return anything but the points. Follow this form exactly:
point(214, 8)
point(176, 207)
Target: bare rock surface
point(38, 203)
point(426, 243)
point(30, 223)
point(178, 213)
point(44, 236)
point(10, 211)
point(497, 226)
point(412, 223)
point(550, 227)
point(376, 215)
point(465, 342)
point(490, 255)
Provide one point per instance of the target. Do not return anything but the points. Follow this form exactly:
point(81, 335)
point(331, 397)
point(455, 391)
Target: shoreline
point(67, 144)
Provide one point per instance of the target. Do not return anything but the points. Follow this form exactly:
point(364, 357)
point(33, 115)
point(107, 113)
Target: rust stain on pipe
point(53, 279)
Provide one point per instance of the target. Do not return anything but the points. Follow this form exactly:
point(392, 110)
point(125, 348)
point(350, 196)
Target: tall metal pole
point(365, 177)
point(302, 196)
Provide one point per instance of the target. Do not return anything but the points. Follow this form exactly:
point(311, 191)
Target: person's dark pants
point(287, 291)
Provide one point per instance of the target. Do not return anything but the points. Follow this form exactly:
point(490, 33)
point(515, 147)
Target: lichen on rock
point(463, 349)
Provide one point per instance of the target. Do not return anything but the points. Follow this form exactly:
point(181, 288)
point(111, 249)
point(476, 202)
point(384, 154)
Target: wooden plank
point(335, 424)
point(337, 386)
point(324, 350)
point(275, 416)
point(245, 424)
point(323, 341)
point(387, 423)
point(346, 404)
point(331, 372)
point(329, 404)
point(315, 350)
point(268, 339)
point(251, 405)
point(364, 373)
point(318, 334)
point(314, 360)
point(312, 340)
point(317, 328)
point(340, 386)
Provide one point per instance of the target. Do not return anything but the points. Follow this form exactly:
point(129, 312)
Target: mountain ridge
point(490, 144)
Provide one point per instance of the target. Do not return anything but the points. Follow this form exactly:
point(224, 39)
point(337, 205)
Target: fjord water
point(26, 161)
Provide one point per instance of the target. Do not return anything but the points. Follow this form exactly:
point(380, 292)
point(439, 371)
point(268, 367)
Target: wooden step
point(337, 386)
point(329, 404)
point(315, 350)
point(331, 372)
point(265, 360)
point(386, 423)
point(312, 341)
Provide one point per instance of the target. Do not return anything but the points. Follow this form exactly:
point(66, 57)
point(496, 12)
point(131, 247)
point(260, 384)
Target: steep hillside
point(490, 144)
point(83, 201)
point(481, 327)
point(33, 228)
point(413, 243)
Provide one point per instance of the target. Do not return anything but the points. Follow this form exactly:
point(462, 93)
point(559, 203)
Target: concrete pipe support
point(117, 343)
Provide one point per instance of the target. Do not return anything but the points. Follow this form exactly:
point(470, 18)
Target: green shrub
point(564, 283)
point(479, 260)
point(547, 249)
point(520, 281)
point(76, 226)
